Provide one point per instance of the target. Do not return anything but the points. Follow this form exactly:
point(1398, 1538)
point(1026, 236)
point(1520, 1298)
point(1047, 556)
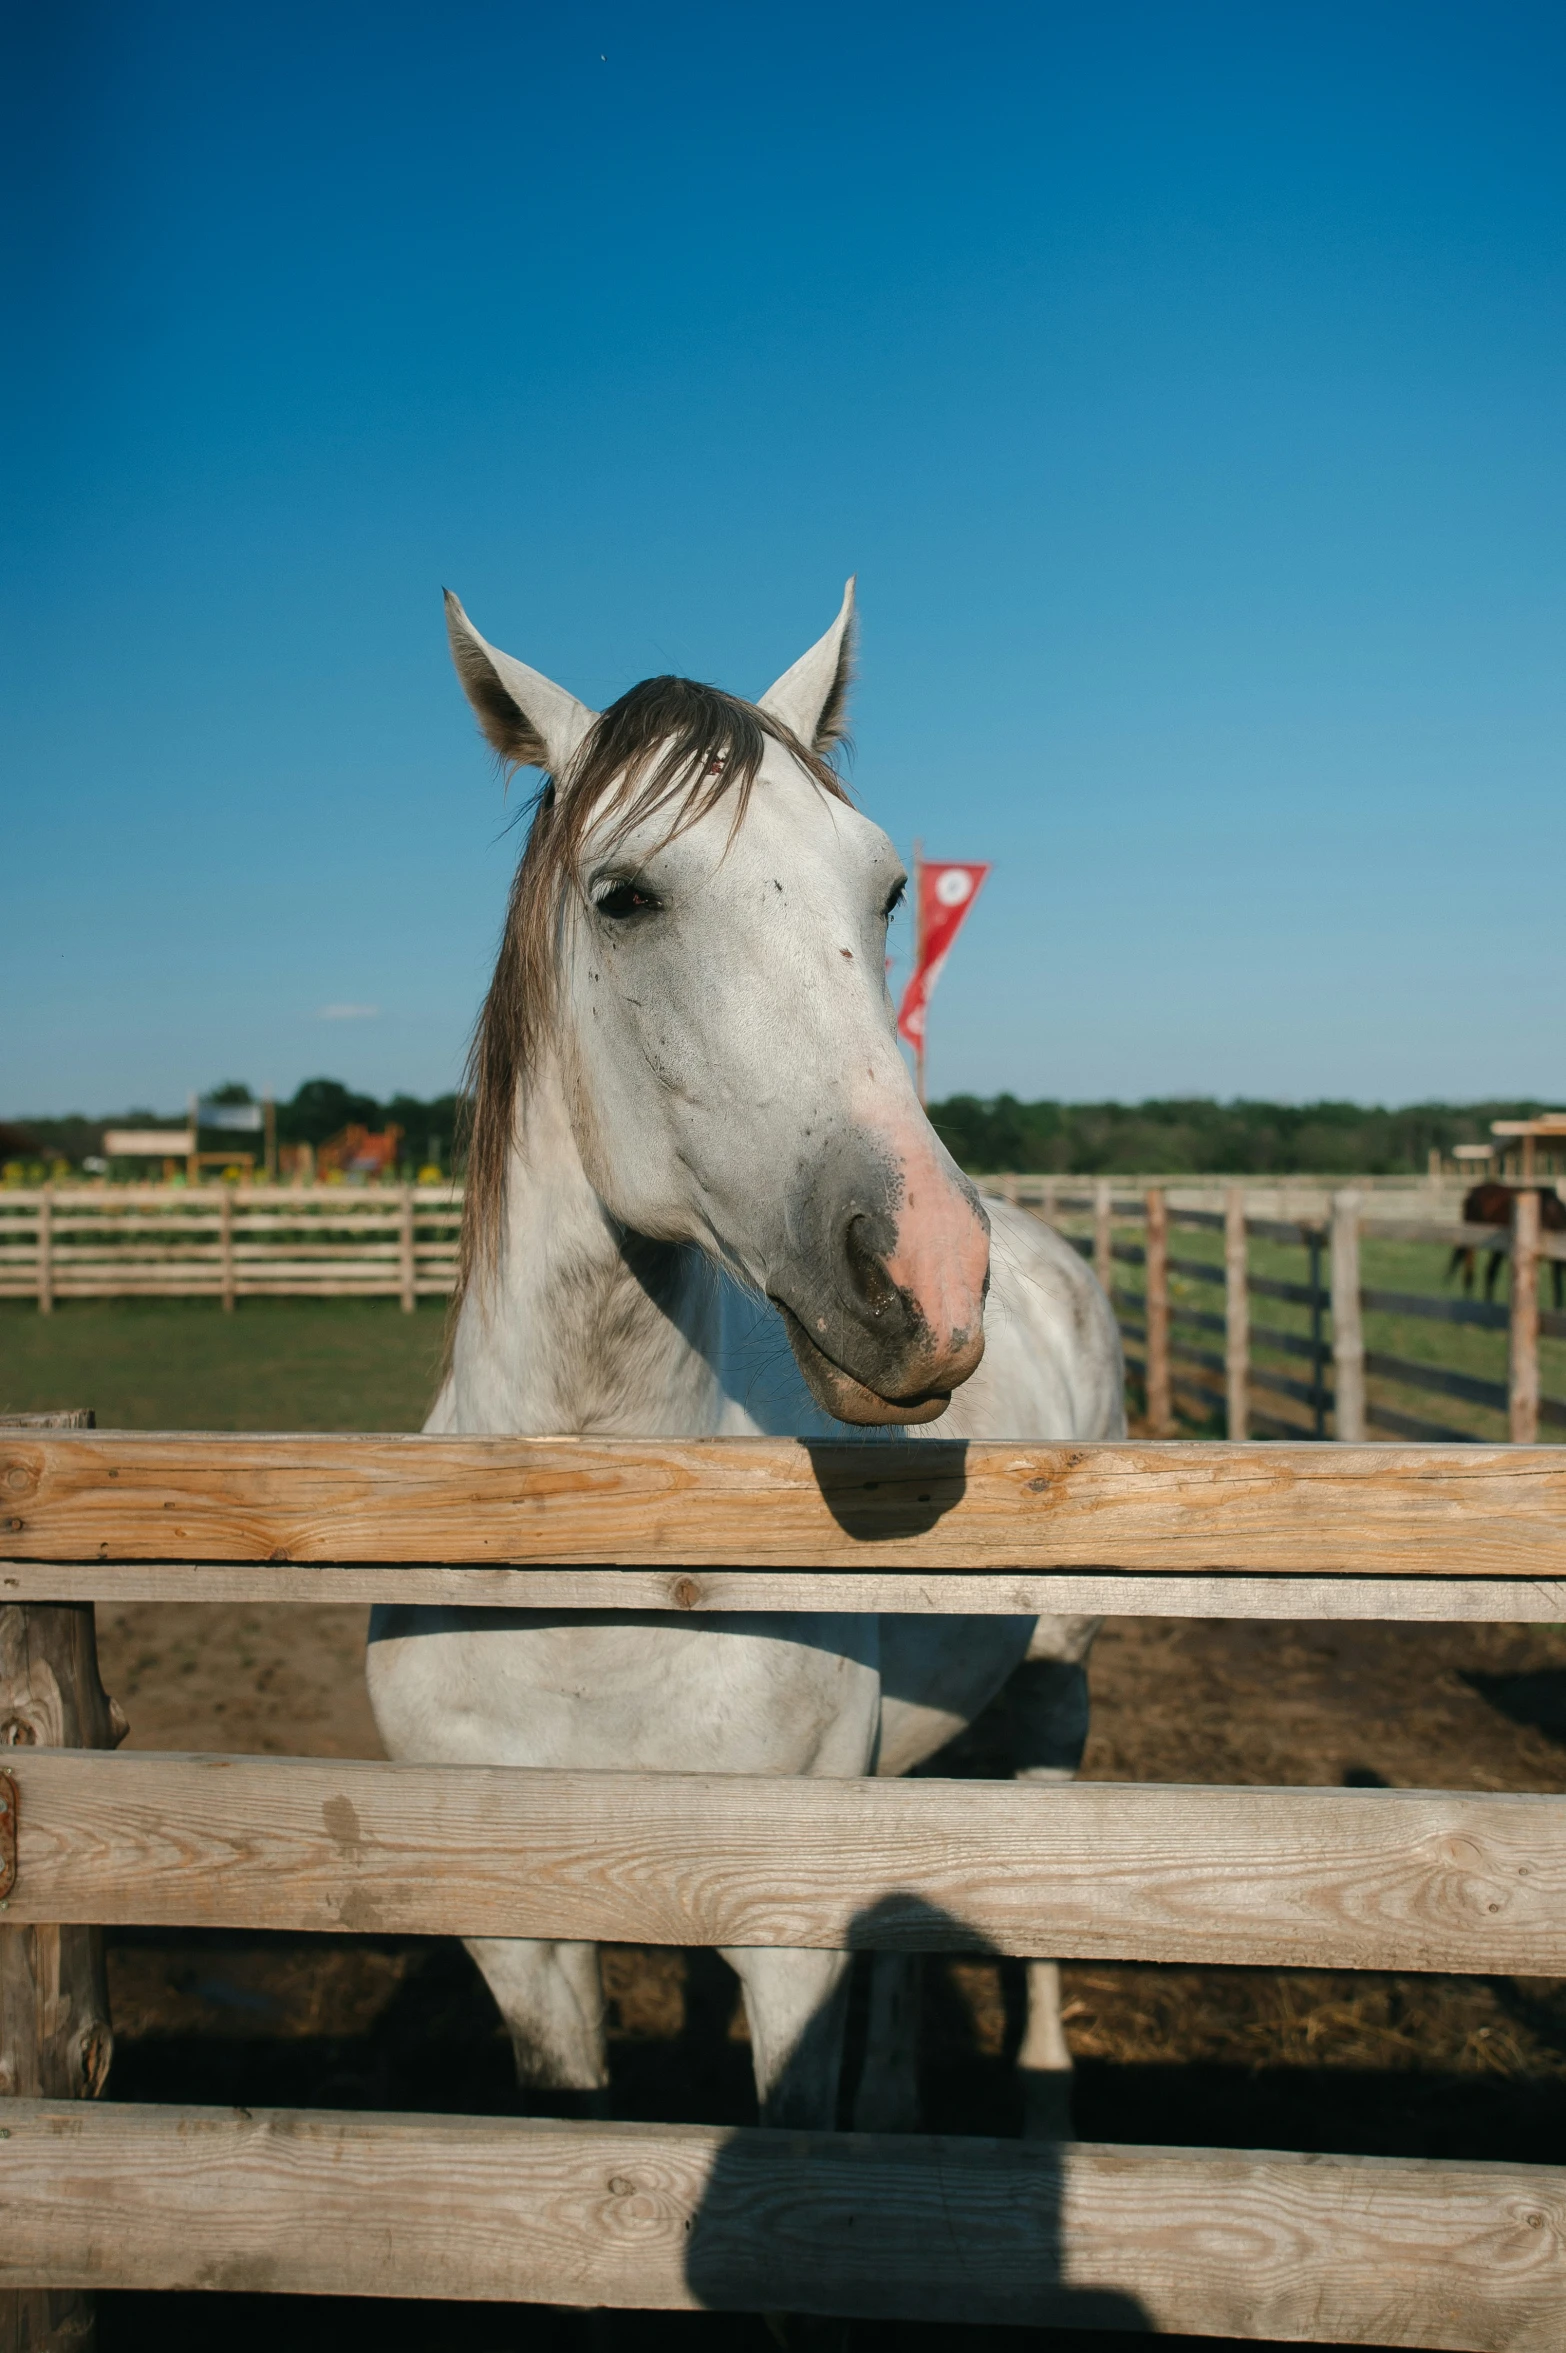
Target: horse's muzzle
point(852, 1400)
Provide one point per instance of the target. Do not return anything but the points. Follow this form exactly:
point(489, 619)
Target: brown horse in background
point(1490, 1204)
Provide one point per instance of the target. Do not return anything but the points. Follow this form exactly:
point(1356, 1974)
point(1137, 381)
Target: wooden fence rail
point(1342, 2250)
point(228, 1242)
point(1278, 1878)
point(577, 1506)
point(1334, 2249)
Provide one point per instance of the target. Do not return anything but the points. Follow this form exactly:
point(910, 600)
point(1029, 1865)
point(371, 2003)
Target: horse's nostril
point(867, 1268)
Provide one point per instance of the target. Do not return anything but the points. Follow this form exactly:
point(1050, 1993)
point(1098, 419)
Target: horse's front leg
point(797, 2005)
point(1049, 1713)
point(550, 1995)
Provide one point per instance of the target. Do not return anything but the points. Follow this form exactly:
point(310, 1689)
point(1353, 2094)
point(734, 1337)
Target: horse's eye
point(896, 900)
point(626, 898)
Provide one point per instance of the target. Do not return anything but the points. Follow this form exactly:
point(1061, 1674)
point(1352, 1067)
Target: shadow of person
point(891, 2226)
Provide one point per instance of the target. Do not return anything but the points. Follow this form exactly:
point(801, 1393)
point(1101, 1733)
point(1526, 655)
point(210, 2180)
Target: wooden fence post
point(55, 2038)
point(405, 1252)
point(1522, 1378)
point(1103, 1236)
point(1348, 1345)
point(1237, 1315)
point(226, 1246)
point(1160, 1414)
point(46, 1252)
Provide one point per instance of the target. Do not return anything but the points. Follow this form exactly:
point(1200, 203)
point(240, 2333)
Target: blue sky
point(1184, 383)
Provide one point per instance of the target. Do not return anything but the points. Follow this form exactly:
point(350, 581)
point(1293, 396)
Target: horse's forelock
point(669, 748)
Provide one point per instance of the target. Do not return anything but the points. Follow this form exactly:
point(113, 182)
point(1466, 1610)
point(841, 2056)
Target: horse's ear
point(812, 697)
point(531, 722)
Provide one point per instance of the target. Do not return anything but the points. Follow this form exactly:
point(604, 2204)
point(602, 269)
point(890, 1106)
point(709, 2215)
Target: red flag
point(946, 893)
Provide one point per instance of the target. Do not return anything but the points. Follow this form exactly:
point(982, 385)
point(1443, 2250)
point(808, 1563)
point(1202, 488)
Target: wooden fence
point(228, 1242)
point(1171, 1355)
point(233, 1242)
point(1237, 2243)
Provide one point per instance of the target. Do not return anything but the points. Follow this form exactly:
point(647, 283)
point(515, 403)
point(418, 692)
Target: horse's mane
point(670, 746)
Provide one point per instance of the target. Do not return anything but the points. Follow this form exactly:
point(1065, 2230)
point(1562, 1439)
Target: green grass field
point(182, 1364)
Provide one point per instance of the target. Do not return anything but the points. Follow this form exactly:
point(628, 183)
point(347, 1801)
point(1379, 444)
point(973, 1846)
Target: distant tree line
point(983, 1133)
point(1243, 1138)
point(321, 1108)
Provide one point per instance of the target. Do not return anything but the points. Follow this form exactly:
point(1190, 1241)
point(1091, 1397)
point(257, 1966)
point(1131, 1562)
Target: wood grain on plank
point(1299, 1878)
point(1363, 2250)
point(1194, 1507)
point(55, 2035)
point(747, 1592)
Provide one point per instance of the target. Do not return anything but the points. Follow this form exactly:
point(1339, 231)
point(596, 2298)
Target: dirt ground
point(1429, 2066)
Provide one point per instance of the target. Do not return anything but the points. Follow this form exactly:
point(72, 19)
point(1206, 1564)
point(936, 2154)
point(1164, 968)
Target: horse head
point(696, 945)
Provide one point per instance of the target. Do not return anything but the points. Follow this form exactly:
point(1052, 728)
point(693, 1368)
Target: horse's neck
point(581, 1328)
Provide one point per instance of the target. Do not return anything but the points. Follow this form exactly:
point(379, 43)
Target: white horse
point(703, 1200)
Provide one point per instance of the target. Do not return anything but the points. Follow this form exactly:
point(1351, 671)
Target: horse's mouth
point(849, 1399)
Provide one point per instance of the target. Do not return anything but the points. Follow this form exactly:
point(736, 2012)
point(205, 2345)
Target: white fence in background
point(228, 1242)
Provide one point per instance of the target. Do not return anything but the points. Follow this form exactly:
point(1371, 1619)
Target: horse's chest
point(797, 1695)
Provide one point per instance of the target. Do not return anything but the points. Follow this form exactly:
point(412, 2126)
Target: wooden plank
point(1281, 1878)
point(1269, 1425)
point(198, 1218)
point(1451, 1233)
point(1269, 1287)
point(1412, 1425)
point(1278, 1229)
point(169, 1143)
point(730, 1592)
point(1348, 1341)
point(1197, 1270)
point(407, 1264)
point(1197, 1319)
point(1523, 1364)
point(1280, 1385)
point(226, 1251)
point(1384, 2251)
point(1282, 1343)
point(1187, 1506)
point(55, 2038)
point(1468, 1386)
point(45, 1276)
point(1482, 1312)
point(303, 1283)
point(1160, 1411)
point(69, 1256)
point(324, 1200)
point(140, 1283)
point(307, 1255)
point(1103, 1236)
